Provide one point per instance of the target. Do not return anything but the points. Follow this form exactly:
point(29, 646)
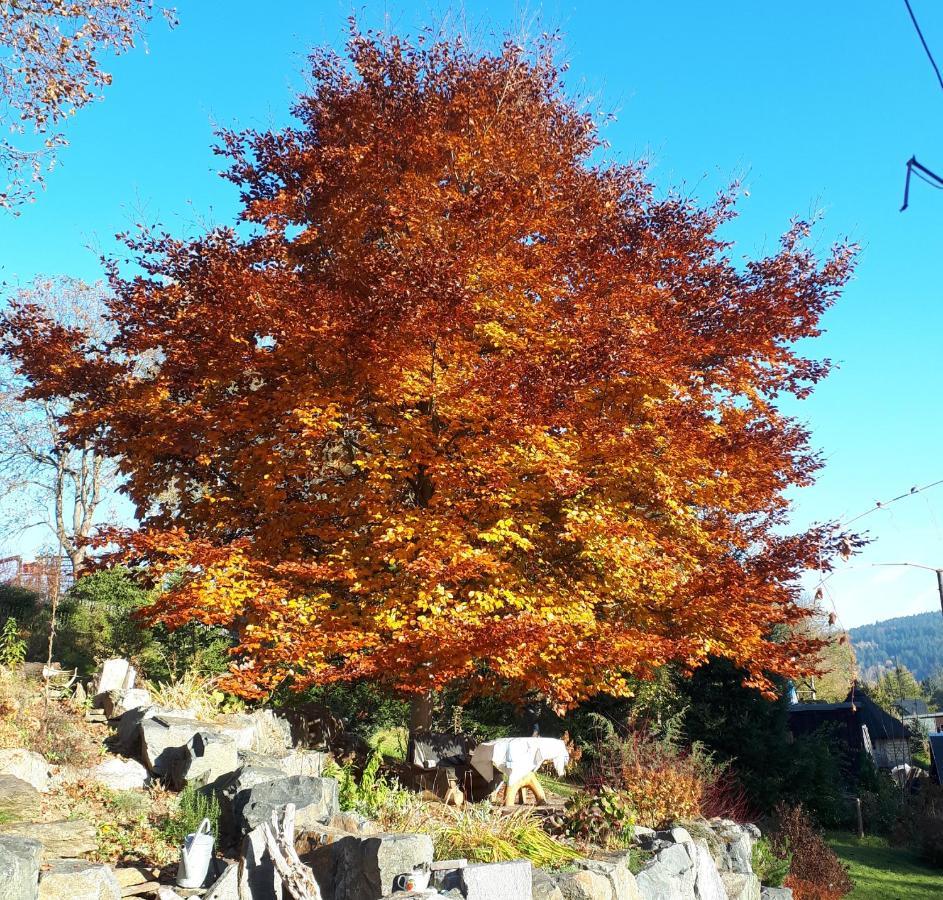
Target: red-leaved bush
point(663, 782)
point(816, 873)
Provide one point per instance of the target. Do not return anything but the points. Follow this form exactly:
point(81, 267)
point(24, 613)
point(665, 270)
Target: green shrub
point(771, 865)
point(603, 818)
point(193, 806)
point(12, 645)
point(373, 795)
point(99, 617)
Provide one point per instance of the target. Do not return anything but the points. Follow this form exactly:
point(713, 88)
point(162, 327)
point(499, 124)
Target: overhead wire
point(926, 175)
point(923, 40)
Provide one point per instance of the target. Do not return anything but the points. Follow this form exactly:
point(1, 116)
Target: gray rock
point(257, 879)
point(741, 887)
point(736, 848)
point(226, 887)
point(752, 830)
point(116, 675)
point(27, 766)
point(295, 762)
point(19, 868)
point(365, 868)
point(234, 791)
point(708, 884)
point(120, 774)
point(445, 871)
point(205, 759)
point(615, 868)
point(261, 731)
point(116, 703)
point(669, 876)
point(504, 880)
point(163, 738)
point(354, 823)
point(315, 801)
point(65, 839)
point(675, 835)
point(585, 885)
point(544, 886)
point(76, 879)
point(19, 800)
point(126, 739)
point(774, 893)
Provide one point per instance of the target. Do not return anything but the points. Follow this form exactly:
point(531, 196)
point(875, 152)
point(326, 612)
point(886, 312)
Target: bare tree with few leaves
point(50, 66)
point(47, 480)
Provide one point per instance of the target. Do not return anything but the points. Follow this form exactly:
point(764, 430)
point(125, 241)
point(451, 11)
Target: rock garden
point(126, 782)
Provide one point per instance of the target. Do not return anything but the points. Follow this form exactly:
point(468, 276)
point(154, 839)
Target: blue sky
point(817, 106)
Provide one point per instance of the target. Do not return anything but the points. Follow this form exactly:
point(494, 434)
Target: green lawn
point(882, 872)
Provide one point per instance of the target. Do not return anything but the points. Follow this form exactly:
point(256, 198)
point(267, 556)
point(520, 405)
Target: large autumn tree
point(459, 401)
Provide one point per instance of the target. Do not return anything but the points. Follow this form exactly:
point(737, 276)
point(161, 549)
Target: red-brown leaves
point(465, 407)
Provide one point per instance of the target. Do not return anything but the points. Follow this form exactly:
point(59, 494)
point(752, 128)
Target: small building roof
point(912, 707)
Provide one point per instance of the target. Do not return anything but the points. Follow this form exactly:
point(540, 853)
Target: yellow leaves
point(497, 338)
point(505, 531)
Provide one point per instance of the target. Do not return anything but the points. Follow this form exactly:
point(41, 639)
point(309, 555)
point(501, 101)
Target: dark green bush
point(99, 617)
point(771, 864)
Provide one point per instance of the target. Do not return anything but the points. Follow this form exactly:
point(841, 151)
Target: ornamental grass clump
point(484, 833)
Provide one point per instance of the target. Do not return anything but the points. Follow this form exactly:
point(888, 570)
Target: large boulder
point(27, 766)
point(233, 793)
point(261, 731)
point(585, 885)
point(544, 886)
point(670, 875)
point(19, 800)
point(67, 838)
point(120, 774)
point(163, 738)
point(315, 801)
point(734, 851)
point(226, 887)
point(614, 867)
point(741, 886)
point(257, 878)
point(126, 738)
point(293, 762)
point(708, 884)
point(19, 868)
point(347, 867)
point(776, 893)
point(504, 880)
point(204, 760)
point(75, 879)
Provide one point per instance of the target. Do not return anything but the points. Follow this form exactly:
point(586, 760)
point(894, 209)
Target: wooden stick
point(280, 843)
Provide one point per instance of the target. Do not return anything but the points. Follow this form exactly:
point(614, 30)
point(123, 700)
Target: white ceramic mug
point(417, 880)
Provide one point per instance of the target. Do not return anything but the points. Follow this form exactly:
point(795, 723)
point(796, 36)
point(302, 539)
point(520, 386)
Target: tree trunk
point(420, 713)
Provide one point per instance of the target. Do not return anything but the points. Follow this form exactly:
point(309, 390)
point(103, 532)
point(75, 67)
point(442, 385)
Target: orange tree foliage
point(457, 402)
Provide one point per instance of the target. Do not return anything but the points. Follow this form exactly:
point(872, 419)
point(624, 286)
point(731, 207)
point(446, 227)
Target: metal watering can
point(195, 856)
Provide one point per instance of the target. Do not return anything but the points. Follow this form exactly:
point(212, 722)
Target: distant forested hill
point(914, 641)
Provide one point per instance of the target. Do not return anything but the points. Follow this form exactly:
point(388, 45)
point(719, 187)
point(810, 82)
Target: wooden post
point(860, 817)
